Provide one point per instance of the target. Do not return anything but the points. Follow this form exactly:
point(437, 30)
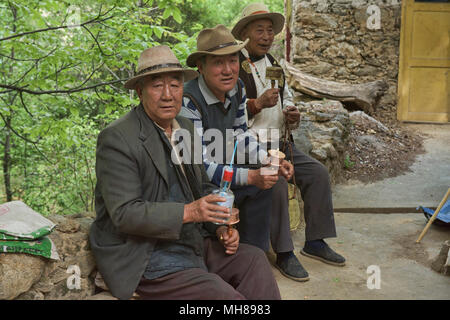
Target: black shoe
point(290, 267)
point(323, 253)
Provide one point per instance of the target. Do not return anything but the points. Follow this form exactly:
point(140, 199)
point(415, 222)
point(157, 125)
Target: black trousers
point(264, 214)
point(255, 206)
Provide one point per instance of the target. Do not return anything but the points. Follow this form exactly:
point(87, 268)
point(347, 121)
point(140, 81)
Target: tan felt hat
point(156, 60)
point(217, 41)
point(256, 11)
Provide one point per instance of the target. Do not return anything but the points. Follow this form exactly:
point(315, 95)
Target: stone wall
point(28, 277)
point(331, 40)
point(323, 134)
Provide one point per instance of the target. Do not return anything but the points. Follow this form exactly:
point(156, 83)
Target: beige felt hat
point(217, 41)
point(156, 60)
point(256, 11)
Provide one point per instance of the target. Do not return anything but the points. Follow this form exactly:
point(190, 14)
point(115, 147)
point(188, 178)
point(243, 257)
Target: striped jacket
point(207, 112)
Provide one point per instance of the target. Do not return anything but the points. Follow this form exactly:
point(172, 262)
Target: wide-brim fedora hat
point(159, 59)
point(257, 11)
point(217, 41)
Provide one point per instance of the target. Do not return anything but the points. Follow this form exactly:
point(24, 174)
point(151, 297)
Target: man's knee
point(321, 173)
point(280, 188)
point(251, 254)
point(316, 170)
point(216, 288)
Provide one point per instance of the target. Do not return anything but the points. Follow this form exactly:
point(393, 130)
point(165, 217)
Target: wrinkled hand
point(286, 170)
point(268, 99)
point(231, 243)
point(206, 210)
point(262, 181)
point(292, 115)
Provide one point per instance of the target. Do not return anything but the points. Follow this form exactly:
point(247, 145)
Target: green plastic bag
point(42, 247)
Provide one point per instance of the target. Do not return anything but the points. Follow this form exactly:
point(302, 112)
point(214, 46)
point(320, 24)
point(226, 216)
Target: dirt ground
point(384, 241)
point(374, 153)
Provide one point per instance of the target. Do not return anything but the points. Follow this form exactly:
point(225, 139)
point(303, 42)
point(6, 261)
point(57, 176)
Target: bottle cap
point(227, 174)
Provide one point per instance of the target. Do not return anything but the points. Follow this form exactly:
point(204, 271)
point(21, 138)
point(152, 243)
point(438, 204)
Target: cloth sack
point(23, 230)
point(19, 220)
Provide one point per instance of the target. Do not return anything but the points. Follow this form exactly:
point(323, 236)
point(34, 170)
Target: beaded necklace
point(256, 70)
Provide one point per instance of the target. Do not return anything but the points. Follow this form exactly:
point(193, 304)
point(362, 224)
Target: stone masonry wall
point(331, 40)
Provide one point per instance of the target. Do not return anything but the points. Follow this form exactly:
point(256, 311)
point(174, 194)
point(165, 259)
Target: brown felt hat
point(156, 60)
point(217, 41)
point(257, 11)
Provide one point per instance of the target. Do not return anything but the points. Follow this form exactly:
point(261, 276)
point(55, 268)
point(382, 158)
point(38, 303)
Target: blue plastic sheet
point(443, 215)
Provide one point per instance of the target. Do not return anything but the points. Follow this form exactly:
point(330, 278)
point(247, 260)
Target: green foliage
point(348, 164)
point(62, 67)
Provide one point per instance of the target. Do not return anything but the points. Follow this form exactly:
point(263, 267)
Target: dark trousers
point(313, 180)
point(243, 275)
point(263, 219)
point(254, 206)
point(280, 226)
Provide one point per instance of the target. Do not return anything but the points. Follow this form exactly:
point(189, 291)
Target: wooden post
point(288, 37)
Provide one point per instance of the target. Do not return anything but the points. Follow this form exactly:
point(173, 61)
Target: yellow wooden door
point(424, 82)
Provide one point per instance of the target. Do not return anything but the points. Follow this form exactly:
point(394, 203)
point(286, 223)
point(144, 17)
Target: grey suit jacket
point(131, 197)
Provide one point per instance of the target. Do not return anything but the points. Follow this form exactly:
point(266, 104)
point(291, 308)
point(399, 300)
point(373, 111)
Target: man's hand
point(292, 115)
point(262, 181)
point(231, 243)
point(286, 169)
point(205, 209)
point(268, 99)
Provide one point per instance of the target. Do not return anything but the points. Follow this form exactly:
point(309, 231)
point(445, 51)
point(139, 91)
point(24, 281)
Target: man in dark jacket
point(154, 232)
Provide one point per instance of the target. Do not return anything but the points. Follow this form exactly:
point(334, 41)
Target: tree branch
point(98, 44)
point(26, 139)
point(14, 88)
point(32, 59)
point(24, 106)
point(94, 20)
point(90, 76)
point(15, 132)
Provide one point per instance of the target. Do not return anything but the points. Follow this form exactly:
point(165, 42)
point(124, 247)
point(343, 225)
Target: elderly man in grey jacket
point(154, 232)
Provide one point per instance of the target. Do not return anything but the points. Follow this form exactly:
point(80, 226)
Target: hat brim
point(191, 60)
point(277, 22)
point(188, 74)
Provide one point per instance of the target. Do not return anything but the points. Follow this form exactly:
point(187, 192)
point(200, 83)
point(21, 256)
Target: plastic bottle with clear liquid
point(225, 191)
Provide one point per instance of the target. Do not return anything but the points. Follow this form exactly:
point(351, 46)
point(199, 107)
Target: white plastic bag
point(19, 220)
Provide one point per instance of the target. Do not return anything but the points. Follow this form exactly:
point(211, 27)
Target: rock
point(319, 154)
point(323, 132)
point(18, 272)
point(343, 50)
point(441, 263)
point(31, 295)
point(319, 68)
point(27, 277)
point(106, 295)
point(65, 225)
point(362, 118)
point(371, 140)
point(366, 70)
